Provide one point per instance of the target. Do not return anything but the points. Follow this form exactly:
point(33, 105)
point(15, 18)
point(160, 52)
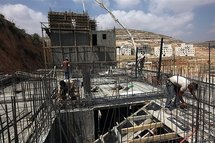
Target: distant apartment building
point(124, 49)
point(145, 49)
point(128, 49)
point(185, 50)
point(166, 52)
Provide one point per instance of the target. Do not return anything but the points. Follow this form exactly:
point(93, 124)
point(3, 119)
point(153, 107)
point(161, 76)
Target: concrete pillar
point(86, 80)
point(79, 126)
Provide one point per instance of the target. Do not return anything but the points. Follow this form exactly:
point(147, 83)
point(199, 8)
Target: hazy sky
point(187, 20)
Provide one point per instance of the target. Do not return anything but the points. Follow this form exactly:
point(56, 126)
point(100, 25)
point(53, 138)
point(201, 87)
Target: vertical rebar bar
point(209, 73)
point(7, 120)
point(197, 120)
point(13, 101)
point(2, 130)
point(203, 116)
point(35, 117)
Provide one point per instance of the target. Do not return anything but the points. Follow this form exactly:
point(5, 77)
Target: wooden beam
point(141, 127)
point(132, 135)
point(155, 138)
point(150, 131)
point(141, 117)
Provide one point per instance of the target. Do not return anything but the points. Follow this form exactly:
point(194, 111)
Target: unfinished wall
point(106, 38)
point(75, 127)
point(70, 37)
point(73, 35)
point(104, 47)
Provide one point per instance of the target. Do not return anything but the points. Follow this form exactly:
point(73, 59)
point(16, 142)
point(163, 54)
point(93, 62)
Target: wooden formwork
point(70, 20)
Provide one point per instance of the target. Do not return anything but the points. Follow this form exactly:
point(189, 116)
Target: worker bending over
point(175, 88)
point(63, 89)
point(67, 89)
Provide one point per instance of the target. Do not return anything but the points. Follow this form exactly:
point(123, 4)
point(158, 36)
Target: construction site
point(108, 102)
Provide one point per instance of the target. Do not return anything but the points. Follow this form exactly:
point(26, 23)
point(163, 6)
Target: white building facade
point(167, 51)
point(125, 49)
point(185, 50)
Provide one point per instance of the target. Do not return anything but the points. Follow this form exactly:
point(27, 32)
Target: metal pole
point(136, 63)
point(119, 56)
point(14, 119)
point(2, 129)
point(160, 59)
point(8, 127)
point(209, 68)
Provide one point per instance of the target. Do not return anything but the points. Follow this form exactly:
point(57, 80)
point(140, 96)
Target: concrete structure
point(74, 35)
point(104, 47)
point(120, 109)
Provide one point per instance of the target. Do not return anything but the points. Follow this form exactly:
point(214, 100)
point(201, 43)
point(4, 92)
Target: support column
point(86, 80)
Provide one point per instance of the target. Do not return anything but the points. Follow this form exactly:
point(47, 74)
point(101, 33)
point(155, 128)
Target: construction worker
point(63, 90)
point(175, 88)
point(66, 89)
point(141, 62)
point(65, 65)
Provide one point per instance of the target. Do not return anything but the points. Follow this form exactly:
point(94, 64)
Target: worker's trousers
point(66, 73)
point(172, 100)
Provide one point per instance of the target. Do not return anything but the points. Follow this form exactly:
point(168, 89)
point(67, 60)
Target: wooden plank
point(141, 127)
point(137, 134)
point(141, 117)
point(155, 138)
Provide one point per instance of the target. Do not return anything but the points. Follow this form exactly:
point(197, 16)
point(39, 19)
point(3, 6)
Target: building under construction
point(74, 36)
point(107, 104)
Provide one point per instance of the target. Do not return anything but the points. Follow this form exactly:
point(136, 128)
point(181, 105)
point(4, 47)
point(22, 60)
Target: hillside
point(152, 40)
point(18, 51)
point(143, 38)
